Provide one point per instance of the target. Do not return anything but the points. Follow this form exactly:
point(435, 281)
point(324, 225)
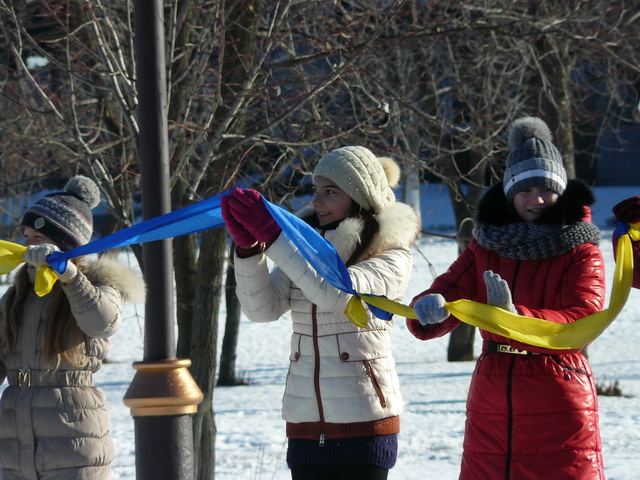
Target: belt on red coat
point(495, 347)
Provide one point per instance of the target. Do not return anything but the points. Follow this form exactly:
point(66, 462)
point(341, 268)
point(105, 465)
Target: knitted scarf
point(532, 241)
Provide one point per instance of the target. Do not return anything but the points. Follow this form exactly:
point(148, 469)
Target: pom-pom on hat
point(65, 217)
point(367, 179)
point(534, 161)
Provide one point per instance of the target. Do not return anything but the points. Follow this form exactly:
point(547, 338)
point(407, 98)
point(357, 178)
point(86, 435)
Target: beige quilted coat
point(54, 424)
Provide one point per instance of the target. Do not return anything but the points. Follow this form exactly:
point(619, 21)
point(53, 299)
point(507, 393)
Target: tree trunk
point(203, 351)
point(211, 260)
point(461, 343)
point(462, 337)
point(227, 375)
point(185, 271)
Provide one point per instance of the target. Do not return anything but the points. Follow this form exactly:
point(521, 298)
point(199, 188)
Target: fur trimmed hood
point(109, 271)
point(399, 227)
point(572, 206)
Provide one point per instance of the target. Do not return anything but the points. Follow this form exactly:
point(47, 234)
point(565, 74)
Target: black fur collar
point(493, 208)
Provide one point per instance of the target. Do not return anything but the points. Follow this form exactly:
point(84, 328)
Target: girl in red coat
point(532, 413)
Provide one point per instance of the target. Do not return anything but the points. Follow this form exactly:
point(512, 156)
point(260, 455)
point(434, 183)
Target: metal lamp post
point(162, 395)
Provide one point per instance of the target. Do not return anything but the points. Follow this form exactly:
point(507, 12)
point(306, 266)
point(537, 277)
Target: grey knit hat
point(65, 217)
point(534, 160)
point(367, 179)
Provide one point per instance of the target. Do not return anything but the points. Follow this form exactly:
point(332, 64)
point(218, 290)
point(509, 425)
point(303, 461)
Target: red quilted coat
point(529, 415)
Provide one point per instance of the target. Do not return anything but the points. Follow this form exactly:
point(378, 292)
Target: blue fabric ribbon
point(319, 253)
point(207, 214)
point(195, 218)
point(621, 229)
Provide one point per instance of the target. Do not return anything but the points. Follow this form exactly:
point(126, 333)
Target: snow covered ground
point(251, 441)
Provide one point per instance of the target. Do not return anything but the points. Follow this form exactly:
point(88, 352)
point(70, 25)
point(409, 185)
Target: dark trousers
point(339, 471)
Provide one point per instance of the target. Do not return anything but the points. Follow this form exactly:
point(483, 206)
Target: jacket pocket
point(568, 370)
point(361, 346)
point(479, 362)
point(376, 384)
point(369, 348)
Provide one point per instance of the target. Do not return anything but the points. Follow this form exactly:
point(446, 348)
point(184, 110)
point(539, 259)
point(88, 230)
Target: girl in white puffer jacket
point(342, 399)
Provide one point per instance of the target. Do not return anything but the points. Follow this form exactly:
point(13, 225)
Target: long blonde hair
point(63, 337)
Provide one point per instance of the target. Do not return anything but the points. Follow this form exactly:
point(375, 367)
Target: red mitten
point(248, 208)
point(240, 235)
point(628, 210)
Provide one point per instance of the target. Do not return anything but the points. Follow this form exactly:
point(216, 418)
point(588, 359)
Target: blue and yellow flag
point(325, 260)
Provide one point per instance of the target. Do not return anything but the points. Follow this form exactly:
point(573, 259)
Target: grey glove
point(430, 309)
point(498, 292)
point(37, 255)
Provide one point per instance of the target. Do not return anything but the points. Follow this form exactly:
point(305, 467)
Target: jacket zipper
point(507, 475)
point(316, 371)
point(510, 387)
point(567, 368)
point(376, 384)
point(515, 281)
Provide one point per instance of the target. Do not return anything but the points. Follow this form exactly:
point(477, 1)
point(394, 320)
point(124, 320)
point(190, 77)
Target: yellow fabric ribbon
point(532, 331)
point(358, 315)
point(11, 256)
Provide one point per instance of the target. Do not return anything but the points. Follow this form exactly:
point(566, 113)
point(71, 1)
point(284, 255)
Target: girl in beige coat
point(342, 398)
point(53, 421)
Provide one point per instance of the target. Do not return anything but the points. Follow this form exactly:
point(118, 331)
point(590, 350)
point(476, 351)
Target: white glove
point(498, 292)
point(69, 273)
point(430, 309)
point(37, 255)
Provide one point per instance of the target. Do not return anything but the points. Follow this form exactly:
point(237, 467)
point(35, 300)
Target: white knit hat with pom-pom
point(367, 179)
point(534, 160)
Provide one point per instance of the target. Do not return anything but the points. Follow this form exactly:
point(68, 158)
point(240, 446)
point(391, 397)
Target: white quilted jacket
point(338, 373)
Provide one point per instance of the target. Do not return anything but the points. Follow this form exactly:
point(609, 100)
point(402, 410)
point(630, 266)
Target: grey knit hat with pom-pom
point(534, 160)
point(367, 179)
point(65, 217)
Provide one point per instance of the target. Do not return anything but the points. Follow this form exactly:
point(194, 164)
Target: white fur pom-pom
point(391, 169)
